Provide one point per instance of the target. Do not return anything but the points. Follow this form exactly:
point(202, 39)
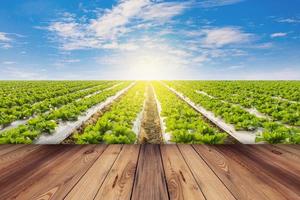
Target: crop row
point(116, 125)
point(242, 120)
point(18, 97)
point(46, 123)
point(9, 115)
point(279, 110)
point(183, 123)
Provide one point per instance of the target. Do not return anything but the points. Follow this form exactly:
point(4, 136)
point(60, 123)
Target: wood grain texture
point(210, 184)
point(63, 174)
point(150, 171)
point(90, 183)
point(21, 167)
point(242, 183)
point(264, 168)
point(290, 148)
point(9, 148)
point(180, 180)
point(119, 182)
point(55, 178)
point(16, 157)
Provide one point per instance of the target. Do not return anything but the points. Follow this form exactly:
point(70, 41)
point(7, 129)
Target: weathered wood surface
point(149, 172)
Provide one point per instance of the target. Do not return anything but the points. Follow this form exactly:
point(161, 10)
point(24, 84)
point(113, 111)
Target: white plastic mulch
point(14, 125)
point(17, 123)
point(245, 137)
point(252, 111)
point(282, 99)
point(166, 136)
point(65, 129)
point(136, 128)
point(204, 93)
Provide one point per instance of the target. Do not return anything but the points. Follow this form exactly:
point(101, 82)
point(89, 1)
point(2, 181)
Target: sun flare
point(148, 66)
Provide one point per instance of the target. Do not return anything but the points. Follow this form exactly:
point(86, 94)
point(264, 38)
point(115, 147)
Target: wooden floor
point(149, 172)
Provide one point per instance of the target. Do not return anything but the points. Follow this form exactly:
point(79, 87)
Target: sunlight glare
point(147, 66)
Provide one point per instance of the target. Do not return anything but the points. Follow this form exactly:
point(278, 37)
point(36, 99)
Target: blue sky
point(150, 39)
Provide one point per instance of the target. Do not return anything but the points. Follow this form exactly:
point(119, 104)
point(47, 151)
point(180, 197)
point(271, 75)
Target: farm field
point(160, 112)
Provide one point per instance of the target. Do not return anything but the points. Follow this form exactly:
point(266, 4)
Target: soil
point(229, 139)
point(150, 131)
point(91, 121)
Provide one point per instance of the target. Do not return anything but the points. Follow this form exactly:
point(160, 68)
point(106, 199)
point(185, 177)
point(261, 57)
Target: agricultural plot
point(128, 112)
point(45, 123)
point(270, 110)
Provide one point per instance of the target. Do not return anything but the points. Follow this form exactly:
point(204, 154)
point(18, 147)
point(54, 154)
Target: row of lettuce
point(18, 93)
point(47, 122)
point(183, 123)
point(116, 125)
point(224, 107)
point(9, 115)
point(259, 95)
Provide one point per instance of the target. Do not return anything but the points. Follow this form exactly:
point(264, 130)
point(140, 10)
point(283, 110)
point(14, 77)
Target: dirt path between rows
point(91, 121)
point(150, 127)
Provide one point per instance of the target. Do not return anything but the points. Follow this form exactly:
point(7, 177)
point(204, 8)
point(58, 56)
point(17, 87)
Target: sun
point(147, 66)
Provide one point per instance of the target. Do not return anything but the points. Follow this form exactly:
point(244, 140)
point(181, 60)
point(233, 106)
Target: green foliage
point(183, 123)
point(46, 101)
point(228, 100)
point(47, 122)
point(115, 126)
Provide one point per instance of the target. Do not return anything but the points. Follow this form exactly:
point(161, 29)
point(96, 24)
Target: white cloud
point(113, 21)
point(217, 3)
point(154, 57)
point(280, 34)
point(277, 74)
point(112, 24)
point(5, 41)
point(8, 62)
point(162, 12)
point(4, 37)
point(219, 37)
point(15, 73)
point(5, 46)
point(266, 45)
point(66, 29)
point(63, 62)
point(135, 35)
point(235, 67)
point(71, 60)
point(289, 20)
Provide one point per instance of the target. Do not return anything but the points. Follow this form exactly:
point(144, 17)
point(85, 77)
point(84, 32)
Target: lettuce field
point(129, 112)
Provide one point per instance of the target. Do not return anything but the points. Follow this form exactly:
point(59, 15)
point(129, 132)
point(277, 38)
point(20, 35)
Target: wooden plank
point(242, 183)
point(90, 183)
point(21, 163)
point(210, 184)
point(56, 179)
point(7, 148)
point(150, 180)
point(278, 157)
point(16, 156)
point(283, 182)
point(119, 182)
point(290, 148)
point(180, 181)
point(77, 172)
